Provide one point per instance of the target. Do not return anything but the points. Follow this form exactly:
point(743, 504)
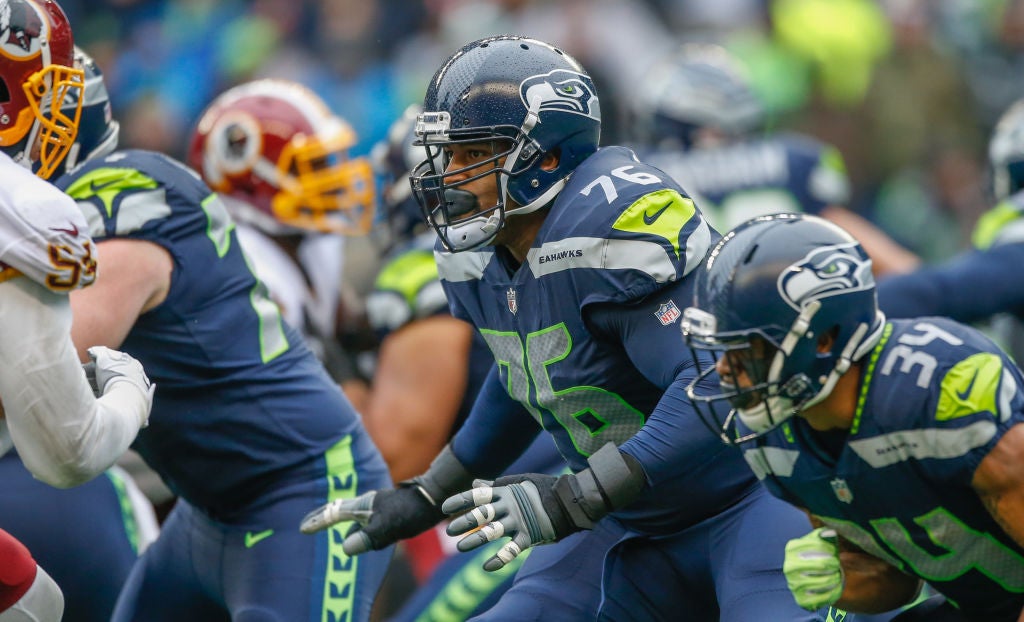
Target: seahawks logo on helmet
point(562, 91)
point(21, 28)
point(824, 272)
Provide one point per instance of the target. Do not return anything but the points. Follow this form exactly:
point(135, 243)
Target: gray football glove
point(534, 508)
point(523, 507)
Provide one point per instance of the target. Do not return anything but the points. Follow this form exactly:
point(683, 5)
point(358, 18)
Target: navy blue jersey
point(241, 404)
point(586, 337)
point(935, 398)
point(738, 181)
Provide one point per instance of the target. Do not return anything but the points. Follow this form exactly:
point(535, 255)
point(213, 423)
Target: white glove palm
point(110, 367)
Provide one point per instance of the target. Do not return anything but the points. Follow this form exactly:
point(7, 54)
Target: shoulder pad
point(408, 287)
point(43, 235)
point(627, 222)
point(121, 193)
point(1002, 224)
point(659, 238)
point(971, 386)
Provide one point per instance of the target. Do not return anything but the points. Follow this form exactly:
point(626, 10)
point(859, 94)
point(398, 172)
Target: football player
point(248, 429)
point(702, 124)
point(280, 161)
point(113, 520)
point(65, 434)
point(412, 412)
point(569, 261)
point(901, 439)
point(429, 370)
point(983, 283)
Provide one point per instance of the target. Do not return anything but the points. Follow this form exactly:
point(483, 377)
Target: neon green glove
point(812, 569)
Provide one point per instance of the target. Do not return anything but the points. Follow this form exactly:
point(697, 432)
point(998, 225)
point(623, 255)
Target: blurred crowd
point(908, 90)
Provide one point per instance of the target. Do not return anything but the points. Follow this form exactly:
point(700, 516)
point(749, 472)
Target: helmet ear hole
point(827, 339)
point(550, 160)
point(236, 143)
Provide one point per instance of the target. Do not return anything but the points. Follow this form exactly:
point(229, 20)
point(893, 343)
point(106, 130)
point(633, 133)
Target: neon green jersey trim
point(868, 374)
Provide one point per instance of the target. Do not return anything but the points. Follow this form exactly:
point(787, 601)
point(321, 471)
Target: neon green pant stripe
point(131, 527)
point(470, 586)
point(340, 579)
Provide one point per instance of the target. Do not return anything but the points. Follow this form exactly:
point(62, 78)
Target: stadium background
point(907, 89)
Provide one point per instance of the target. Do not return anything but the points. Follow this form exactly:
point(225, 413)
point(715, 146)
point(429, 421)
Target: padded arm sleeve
point(64, 435)
point(497, 430)
point(613, 480)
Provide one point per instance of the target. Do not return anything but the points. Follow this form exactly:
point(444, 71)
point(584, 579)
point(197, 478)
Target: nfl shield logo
point(842, 490)
point(667, 313)
point(510, 295)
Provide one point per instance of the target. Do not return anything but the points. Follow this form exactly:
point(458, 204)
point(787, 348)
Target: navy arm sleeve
point(968, 288)
point(497, 430)
point(673, 434)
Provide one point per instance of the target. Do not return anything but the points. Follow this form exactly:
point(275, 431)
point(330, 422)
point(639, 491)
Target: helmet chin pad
point(767, 414)
point(473, 233)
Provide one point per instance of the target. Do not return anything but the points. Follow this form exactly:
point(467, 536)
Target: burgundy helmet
point(37, 76)
point(275, 147)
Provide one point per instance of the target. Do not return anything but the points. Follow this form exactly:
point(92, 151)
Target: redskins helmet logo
point(22, 28)
point(562, 90)
point(824, 272)
point(234, 145)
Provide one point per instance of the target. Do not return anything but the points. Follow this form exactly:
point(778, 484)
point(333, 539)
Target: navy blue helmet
point(393, 159)
point(98, 132)
point(699, 86)
point(770, 291)
point(1006, 152)
point(530, 99)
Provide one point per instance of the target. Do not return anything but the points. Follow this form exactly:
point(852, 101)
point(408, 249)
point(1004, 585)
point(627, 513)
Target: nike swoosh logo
point(252, 539)
point(650, 218)
point(967, 393)
point(95, 187)
point(72, 230)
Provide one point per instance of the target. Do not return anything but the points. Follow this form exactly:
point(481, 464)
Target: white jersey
point(43, 235)
point(281, 275)
point(64, 434)
point(308, 292)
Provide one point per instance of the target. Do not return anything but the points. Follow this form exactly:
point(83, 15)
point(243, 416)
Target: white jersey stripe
point(887, 449)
